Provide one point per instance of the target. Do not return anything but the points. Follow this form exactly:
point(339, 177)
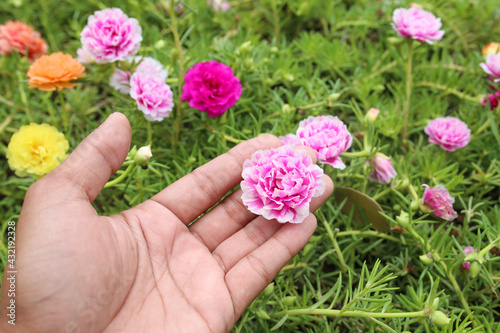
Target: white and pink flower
point(450, 133)
point(280, 184)
point(383, 171)
point(492, 66)
point(438, 201)
point(154, 97)
point(418, 24)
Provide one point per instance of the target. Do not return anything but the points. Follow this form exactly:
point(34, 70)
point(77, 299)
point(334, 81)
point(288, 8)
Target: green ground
point(307, 58)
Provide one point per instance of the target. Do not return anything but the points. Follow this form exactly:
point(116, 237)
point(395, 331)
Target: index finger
point(196, 192)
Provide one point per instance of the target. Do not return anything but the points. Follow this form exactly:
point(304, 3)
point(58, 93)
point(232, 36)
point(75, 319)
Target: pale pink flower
point(290, 139)
point(328, 136)
point(372, 114)
point(450, 133)
point(492, 66)
point(280, 183)
point(84, 56)
point(417, 24)
point(219, 5)
point(211, 87)
point(437, 200)
point(467, 250)
point(151, 67)
point(383, 171)
point(154, 97)
point(120, 80)
point(110, 36)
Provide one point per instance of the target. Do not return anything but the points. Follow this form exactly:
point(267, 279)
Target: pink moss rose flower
point(438, 201)
point(328, 136)
point(280, 183)
point(120, 80)
point(154, 97)
point(418, 24)
point(110, 36)
point(383, 171)
point(211, 87)
point(219, 5)
point(467, 250)
point(84, 56)
point(450, 133)
point(290, 140)
point(151, 67)
point(492, 100)
point(492, 66)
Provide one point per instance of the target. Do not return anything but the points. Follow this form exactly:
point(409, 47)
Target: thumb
point(97, 157)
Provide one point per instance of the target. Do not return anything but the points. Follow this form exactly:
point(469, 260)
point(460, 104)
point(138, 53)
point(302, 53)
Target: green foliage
point(296, 59)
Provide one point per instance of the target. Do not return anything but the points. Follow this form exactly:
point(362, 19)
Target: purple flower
point(211, 87)
point(467, 250)
point(280, 183)
point(154, 97)
point(110, 35)
point(383, 171)
point(450, 133)
point(120, 80)
point(328, 136)
point(437, 200)
point(151, 67)
point(290, 139)
point(492, 66)
point(417, 24)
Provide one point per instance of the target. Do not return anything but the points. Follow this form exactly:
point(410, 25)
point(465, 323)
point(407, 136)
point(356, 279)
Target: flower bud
point(286, 109)
point(470, 257)
point(475, 268)
point(333, 97)
point(262, 314)
point(269, 289)
point(403, 219)
point(372, 114)
point(273, 50)
point(143, 155)
point(491, 48)
point(439, 319)
point(248, 63)
point(160, 43)
point(244, 48)
point(289, 300)
point(415, 205)
point(426, 258)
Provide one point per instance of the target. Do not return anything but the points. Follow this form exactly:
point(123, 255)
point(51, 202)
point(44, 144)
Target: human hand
point(145, 269)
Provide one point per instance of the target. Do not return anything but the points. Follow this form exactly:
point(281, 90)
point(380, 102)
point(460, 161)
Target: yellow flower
point(491, 48)
point(36, 150)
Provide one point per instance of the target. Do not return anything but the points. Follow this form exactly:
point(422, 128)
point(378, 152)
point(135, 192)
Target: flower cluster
point(438, 201)
point(211, 87)
point(36, 150)
point(450, 133)
point(280, 183)
point(110, 36)
point(417, 24)
point(55, 71)
point(327, 135)
point(16, 36)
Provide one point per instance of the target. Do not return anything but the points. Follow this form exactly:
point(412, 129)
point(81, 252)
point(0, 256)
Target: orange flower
point(56, 70)
point(20, 37)
point(491, 48)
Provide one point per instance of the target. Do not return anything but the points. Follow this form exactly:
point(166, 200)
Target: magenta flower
point(437, 200)
point(151, 67)
point(492, 66)
point(154, 97)
point(290, 140)
point(280, 183)
point(467, 250)
point(492, 100)
point(211, 87)
point(417, 24)
point(120, 80)
point(450, 133)
point(328, 136)
point(383, 171)
point(110, 35)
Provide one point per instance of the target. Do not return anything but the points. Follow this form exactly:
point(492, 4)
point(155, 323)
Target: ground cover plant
point(403, 116)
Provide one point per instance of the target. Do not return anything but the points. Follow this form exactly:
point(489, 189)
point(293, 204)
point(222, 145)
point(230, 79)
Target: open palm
point(145, 269)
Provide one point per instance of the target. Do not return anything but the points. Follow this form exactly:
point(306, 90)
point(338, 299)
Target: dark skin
point(144, 270)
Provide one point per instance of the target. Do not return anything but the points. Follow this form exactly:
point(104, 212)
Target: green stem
point(178, 118)
point(413, 192)
point(449, 90)
point(485, 250)
point(406, 107)
point(276, 21)
point(124, 175)
point(363, 153)
point(370, 233)
point(63, 107)
point(329, 231)
point(381, 194)
point(313, 105)
point(355, 313)
point(149, 140)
